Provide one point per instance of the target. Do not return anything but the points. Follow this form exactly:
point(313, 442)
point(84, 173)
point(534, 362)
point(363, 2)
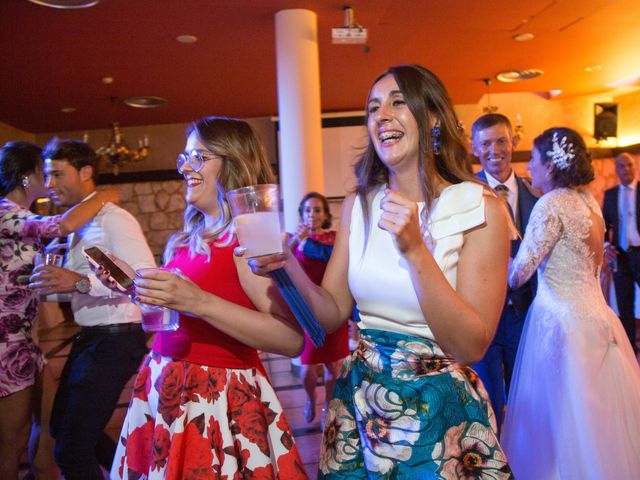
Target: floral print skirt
point(189, 421)
point(402, 409)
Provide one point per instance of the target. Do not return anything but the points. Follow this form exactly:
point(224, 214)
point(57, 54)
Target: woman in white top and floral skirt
point(423, 251)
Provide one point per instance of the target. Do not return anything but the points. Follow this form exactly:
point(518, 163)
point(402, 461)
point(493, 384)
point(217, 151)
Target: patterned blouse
point(21, 234)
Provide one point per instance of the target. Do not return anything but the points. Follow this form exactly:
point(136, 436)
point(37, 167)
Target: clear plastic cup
point(159, 319)
point(256, 210)
point(55, 259)
point(156, 318)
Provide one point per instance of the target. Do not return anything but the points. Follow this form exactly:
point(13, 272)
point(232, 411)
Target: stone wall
point(158, 206)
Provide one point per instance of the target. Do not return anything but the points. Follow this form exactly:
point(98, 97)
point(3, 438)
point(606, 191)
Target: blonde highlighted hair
point(244, 163)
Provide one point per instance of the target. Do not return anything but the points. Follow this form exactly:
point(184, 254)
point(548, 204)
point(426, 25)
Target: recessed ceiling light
point(187, 38)
point(511, 76)
point(593, 68)
point(66, 4)
point(145, 102)
point(107, 80)
point(523, 37)
point(68, 109)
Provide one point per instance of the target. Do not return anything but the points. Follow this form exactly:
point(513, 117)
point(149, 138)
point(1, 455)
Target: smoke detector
point(351, 33)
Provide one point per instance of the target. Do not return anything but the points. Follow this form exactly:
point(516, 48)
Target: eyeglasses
point(195, 159)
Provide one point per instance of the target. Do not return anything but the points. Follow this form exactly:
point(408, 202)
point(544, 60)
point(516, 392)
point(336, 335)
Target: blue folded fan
point(300, 309)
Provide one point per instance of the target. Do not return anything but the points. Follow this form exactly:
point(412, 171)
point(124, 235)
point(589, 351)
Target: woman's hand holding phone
point(112, 272)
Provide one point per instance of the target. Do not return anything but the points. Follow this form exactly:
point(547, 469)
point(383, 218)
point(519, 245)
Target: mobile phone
point(97, 258)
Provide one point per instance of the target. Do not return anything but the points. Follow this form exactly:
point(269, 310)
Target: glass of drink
point(156, 318)
point(55, 259)
point(256, 210)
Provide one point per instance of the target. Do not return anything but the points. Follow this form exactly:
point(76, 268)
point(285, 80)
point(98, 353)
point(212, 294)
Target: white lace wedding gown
point(574, 401)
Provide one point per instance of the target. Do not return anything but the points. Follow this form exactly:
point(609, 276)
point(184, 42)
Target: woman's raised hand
point(302, 233)
point(401, 218)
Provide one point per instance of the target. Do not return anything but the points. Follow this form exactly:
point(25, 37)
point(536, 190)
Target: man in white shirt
point(493, 144)
point(111, 344)
point(620, 211)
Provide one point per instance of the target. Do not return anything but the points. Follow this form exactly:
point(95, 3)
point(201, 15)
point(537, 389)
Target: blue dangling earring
point(435, 138)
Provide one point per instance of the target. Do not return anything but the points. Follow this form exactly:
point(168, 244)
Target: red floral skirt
point(189, 421)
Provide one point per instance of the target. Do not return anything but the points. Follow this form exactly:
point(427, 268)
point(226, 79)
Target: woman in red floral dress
point(312, 245)
point(202, 405)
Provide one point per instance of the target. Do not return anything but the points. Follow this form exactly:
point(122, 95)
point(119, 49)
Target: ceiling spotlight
point(187, 38)
point(593, 68)
point(107, 80)
point(523, 37)
point(67, 109)
point(511, 76)
point(146, 102)
point(66, 4)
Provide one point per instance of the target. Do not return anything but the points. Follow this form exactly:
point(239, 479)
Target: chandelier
point(518, 130)
point(118, 153)
point(489, 108)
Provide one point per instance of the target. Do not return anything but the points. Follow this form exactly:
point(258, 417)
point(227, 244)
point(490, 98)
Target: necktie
point(503, 193)
point(624, 219)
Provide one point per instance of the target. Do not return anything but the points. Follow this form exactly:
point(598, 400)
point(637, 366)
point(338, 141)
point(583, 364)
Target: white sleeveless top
point(379, 279)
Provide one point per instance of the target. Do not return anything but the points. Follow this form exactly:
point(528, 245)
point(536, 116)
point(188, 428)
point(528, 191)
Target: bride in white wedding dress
point(574, 402)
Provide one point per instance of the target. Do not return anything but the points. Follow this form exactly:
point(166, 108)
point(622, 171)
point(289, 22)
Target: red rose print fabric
point(189, 421)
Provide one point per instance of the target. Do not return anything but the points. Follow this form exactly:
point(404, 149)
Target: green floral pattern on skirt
point(403, 409)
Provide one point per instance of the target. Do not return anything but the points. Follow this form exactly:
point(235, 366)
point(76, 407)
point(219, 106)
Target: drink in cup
point(159, 319)
point(256, 210)
point(55, 260)
point(156, 318)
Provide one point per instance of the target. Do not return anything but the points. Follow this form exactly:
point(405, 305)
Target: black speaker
point(605, 120)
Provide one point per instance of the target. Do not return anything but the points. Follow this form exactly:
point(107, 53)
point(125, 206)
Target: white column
point(298, 71)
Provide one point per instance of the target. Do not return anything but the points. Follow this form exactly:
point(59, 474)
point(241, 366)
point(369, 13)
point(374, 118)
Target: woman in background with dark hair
point(312, 245)
point(21, 238)
point(574, 402)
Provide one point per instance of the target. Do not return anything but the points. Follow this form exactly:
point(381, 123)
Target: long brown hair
point(429, 103)
point(244, 163)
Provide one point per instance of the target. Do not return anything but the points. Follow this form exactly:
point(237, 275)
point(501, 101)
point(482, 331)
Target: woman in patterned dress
point(21, 237)
point(423, 250)
point(202, 405)
point(312, 245)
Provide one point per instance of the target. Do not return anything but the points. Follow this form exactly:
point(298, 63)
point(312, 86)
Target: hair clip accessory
point(561, 153)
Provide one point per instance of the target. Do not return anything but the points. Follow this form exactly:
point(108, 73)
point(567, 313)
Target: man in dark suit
point(493, 144)
point(621, 212)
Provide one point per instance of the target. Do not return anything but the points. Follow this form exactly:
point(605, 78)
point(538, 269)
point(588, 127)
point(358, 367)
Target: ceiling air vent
point(511, 76)
point(145, 102)
point(66, 4)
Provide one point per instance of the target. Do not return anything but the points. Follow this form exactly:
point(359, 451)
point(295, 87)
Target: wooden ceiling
point(55, 58)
